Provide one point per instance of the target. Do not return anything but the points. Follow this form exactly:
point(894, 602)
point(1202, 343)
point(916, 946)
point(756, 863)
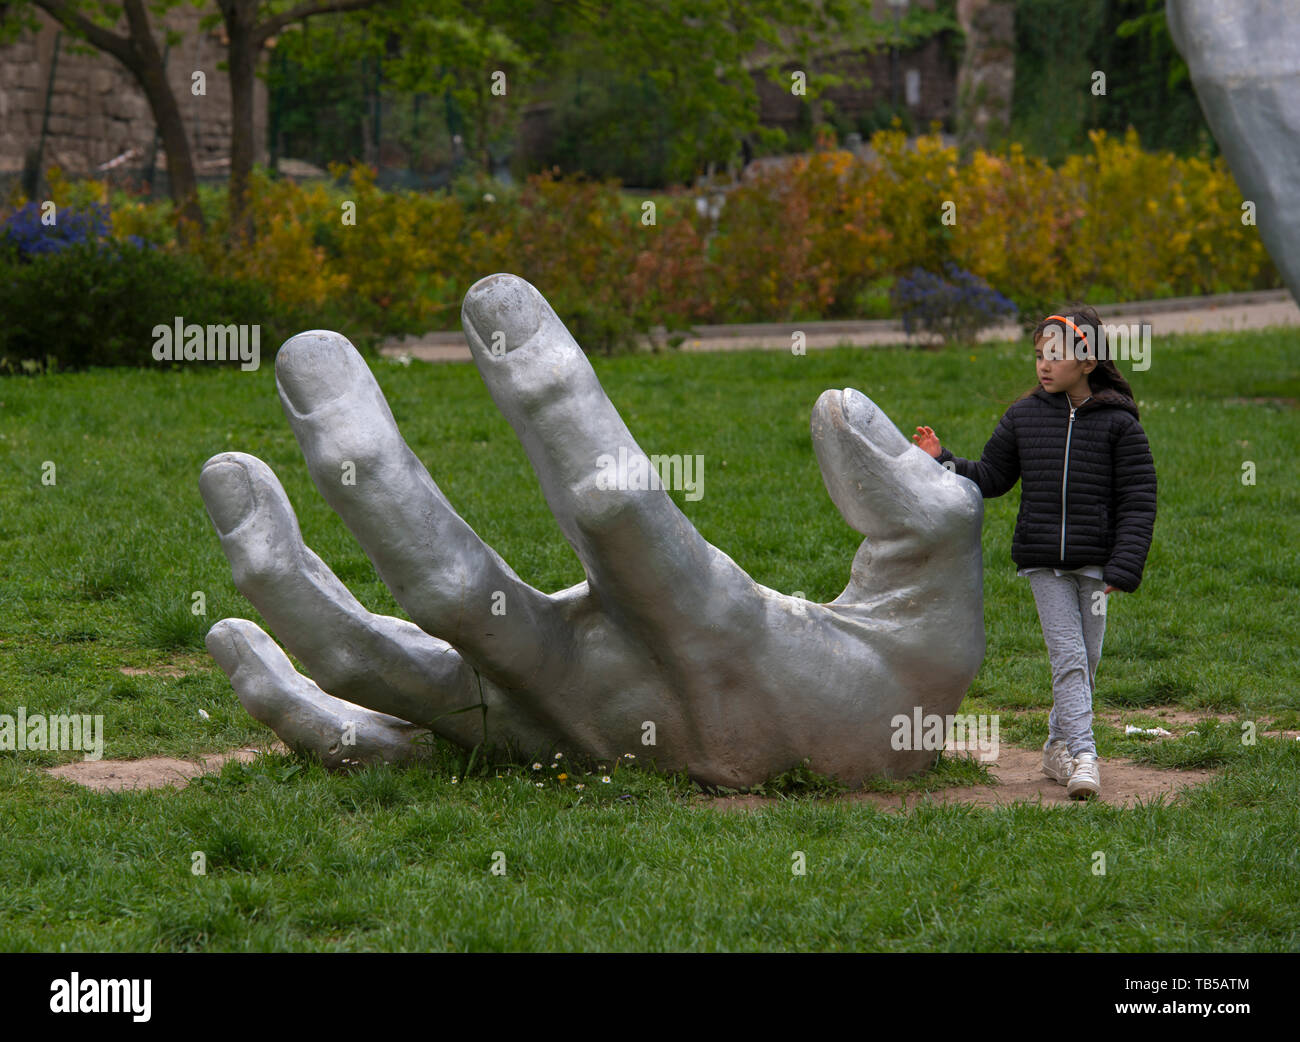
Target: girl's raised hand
point(927, 440)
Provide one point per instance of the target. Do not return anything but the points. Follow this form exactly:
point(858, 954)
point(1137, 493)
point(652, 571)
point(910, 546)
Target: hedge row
point(820, 237)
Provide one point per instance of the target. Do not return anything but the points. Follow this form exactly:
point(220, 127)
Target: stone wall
point(926, 86)
point(924, 79)
point(97, 112)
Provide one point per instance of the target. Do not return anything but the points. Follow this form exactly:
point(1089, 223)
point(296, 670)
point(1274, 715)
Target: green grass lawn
point(98, 572)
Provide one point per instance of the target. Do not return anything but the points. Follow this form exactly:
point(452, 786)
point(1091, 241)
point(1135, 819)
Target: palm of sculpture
point(739, 682)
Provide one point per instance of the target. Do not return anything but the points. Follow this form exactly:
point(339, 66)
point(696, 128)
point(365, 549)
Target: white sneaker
point(1057, 764)
point(1085, 779)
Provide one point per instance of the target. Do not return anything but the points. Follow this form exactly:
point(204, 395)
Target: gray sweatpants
point(1074, 622)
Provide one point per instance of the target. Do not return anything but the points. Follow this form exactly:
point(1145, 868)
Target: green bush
point(819, 237)
point(96, 304)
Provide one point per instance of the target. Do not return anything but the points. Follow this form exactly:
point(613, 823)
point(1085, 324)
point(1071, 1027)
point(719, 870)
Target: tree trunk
point(139, 53)
point(245, 45)
point(171, 129)
point(988, 70)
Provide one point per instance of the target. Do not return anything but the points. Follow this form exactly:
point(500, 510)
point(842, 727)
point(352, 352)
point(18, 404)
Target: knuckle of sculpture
point(941, 527)
point(260, 564)
point(965, 509)
point(953, 512)
point(537, 394)
point(606, 510)
point(337, 672)
point(365, 454)
point(601, 509)
point(457, 585)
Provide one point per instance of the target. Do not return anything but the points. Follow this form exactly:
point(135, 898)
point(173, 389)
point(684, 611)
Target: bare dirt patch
point(1167, 715)
point(1018, 775)
point(154, 772)
point(1019, 778)
point(1180, 720)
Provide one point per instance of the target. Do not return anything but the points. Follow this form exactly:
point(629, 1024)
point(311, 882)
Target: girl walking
point(1087, 509)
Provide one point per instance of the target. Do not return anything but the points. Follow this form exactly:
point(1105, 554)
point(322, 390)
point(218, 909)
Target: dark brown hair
point(1084, 318)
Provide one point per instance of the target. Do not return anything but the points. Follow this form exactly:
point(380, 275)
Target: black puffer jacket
point(1097, 462)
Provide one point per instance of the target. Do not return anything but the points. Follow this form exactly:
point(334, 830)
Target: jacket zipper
point(1065, 469)
point(1065, 475)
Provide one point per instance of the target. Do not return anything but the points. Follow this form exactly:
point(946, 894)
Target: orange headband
point(1068, 323)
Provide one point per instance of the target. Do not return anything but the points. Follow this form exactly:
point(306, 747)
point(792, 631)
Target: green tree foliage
point(648, 92)
point(1060, 44)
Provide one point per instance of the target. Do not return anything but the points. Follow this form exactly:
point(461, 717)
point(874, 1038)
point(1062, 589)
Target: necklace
point(1077, 404)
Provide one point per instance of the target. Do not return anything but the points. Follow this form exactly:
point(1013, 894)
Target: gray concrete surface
point(1171, 317)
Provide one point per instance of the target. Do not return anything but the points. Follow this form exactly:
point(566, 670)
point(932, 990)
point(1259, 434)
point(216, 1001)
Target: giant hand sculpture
point(1245, 65)
point(739, 682)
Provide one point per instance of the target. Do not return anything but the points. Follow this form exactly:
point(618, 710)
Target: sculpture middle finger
point(445, 577)
point(652, 570)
